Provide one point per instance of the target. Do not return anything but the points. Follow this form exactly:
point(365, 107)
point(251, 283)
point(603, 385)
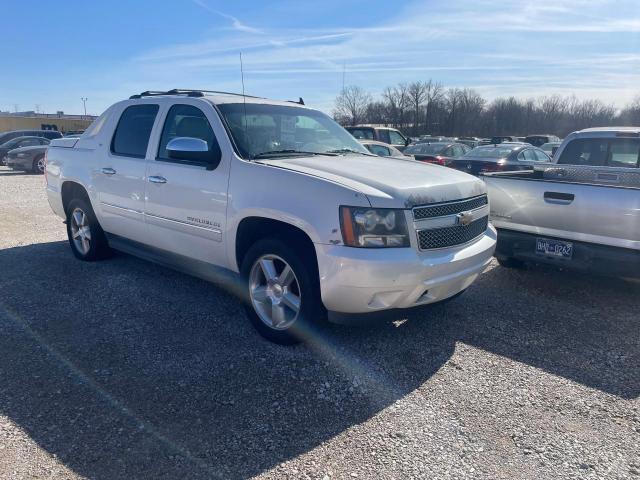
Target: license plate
point(554, 248)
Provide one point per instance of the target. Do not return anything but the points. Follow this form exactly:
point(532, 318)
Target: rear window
point(598, 152)
point(362, 133)
point(134, 128)
point(424, 148)
point(489, 152)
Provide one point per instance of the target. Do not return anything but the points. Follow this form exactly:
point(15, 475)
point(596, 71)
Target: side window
point(186, 121)
point(134, 128)
point(395, 138)
point(362, 134)
point(541, 156)
point(529, 155)
point(624, 152)
point(30, 142)
point(447, 152)
point(379, 150)
point(521, 156)
point(384, 136)
point(585, 151)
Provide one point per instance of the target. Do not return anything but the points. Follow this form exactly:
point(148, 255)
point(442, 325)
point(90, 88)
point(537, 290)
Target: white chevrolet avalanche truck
point(273, 194)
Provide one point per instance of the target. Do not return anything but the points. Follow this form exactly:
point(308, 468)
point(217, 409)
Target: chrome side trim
point(124, 209)
point(160, 217)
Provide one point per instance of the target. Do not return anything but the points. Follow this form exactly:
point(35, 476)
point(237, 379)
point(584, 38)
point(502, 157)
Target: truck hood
point(388, 182)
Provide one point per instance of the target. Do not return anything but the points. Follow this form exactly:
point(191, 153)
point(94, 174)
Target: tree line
point(427, 107)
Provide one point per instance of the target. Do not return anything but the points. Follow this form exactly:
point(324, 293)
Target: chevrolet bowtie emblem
point(464, 218)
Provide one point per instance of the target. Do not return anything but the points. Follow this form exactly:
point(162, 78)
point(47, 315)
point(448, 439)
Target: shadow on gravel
point(124, 369)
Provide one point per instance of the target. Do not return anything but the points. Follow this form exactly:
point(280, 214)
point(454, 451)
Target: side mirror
point(194, 150)
point(407, 141)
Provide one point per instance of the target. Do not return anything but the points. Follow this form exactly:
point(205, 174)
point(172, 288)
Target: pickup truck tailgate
point(601, 214)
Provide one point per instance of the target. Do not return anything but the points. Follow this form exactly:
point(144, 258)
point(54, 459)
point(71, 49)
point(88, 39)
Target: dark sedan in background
point(30, 159)
point(440, 153)
point(502, 157)
point(20, 142)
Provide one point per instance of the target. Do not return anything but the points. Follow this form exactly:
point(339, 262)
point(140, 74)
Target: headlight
point(373, 227)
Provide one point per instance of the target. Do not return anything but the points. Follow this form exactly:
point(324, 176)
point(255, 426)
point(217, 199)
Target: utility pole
point(344, 72)
point(84, 104)
point(37, 108)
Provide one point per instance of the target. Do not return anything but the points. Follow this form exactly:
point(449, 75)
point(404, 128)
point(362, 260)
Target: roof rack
point(195, 93)
point(185, 91)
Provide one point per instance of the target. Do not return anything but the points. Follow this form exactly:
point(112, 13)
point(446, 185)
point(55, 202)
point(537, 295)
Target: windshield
point(489, 152)
point(261, 130)
point(424, 148)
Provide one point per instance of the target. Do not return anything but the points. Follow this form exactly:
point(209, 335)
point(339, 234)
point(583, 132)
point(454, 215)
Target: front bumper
point(19, 163)
point(363, 280)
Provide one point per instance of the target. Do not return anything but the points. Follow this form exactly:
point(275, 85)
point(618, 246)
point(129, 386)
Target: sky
point(105, 51)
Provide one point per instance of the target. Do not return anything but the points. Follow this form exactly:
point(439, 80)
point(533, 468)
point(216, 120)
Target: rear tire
point(38, 165)
point(510, 262)
point(86, 237)
point(283, 295)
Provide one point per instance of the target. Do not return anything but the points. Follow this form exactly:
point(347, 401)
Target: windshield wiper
point(290, 151)
point(347, 150)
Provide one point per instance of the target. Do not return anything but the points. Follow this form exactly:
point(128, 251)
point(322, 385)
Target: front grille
point(450, 236)
point(449, 208)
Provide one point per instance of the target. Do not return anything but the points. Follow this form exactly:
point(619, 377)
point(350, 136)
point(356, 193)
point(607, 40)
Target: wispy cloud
point(235, 23)
point(516, 47)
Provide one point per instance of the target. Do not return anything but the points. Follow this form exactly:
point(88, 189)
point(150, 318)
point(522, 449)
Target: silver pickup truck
point(582, 213)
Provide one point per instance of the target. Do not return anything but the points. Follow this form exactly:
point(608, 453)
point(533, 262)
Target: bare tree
point(417, 92)
point(351, 105)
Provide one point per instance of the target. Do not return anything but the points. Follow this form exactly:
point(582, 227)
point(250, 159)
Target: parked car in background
point(503, 138)
point(432, 139)
point(31, 158)
point(382, 149)
point(539, 140)
point(471, 142)
point(580, 213)
point(73, 133)
point(550, 148)
point(381, 134)
point(179, 178)
point(504, 156)
point(439, 153)
point(50, 134)
point(20, 142)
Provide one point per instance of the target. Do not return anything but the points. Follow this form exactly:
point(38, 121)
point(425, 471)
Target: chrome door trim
point(125, 209)
point(181, 222)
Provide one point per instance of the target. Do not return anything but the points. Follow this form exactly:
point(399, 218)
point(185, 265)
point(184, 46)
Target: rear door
point(186, 204)
point(120, 175)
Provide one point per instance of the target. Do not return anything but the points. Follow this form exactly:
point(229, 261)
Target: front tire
point(283, 294)
point(86, 237)
point(38, 165)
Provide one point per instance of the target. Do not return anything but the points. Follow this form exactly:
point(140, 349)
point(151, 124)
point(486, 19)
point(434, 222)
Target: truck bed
point(600, 176)
point(594, 205)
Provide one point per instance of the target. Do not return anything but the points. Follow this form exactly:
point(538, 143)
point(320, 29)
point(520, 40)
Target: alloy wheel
point(81, 231)
point(275, 292)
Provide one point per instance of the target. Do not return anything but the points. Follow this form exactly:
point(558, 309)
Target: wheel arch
point(70, 190)
point(253, 228)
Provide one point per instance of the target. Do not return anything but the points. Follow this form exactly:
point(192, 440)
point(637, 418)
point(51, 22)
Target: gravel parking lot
point(125, 369)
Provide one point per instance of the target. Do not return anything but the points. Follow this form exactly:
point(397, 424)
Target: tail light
point(438, 160)
point(493, 167)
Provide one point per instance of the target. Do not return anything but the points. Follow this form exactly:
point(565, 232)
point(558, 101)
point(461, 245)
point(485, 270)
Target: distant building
point(43, 121)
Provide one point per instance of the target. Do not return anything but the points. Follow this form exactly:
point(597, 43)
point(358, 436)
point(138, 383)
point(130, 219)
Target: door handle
point(108, 171)
point(156, 179)
point(559, 197)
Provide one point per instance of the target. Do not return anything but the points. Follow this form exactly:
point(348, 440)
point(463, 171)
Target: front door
point(119, 177)
point(186, 204)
